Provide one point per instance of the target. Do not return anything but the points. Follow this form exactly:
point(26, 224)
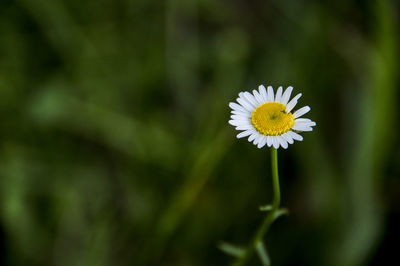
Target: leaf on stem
point(263, 254)
point(230, 249)
point(280, 212)
point(266, 208)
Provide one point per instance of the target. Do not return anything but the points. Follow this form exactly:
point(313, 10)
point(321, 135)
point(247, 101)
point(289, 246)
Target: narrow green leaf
point(281, 212)
point(266, 208)
point(230, 249)
point(263, 254)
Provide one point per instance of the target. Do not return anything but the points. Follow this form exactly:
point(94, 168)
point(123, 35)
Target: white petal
point(263, 92)
point(302, 127)
point(305, 129)
point(286, 95)
point(292, 103)
point(250, 98)
point(258, 139)
point(304, 122)
point(270, 94)
point(245, 114)
point(238, 123)
point(262, 142)
point(301, 111)
point(253, 136)
point(312, 124)
point(244, 127)
point(287, 137)
point(301, 120)
point(244, 98)
point(275, 142)
point(282, 142)
point(278, 95)
point(269, 141)
point(237, 107)
point(299, 127)
point(258, 97)
point(245, 104)
point(240, 117)
point(295, 136)
point(244, 134)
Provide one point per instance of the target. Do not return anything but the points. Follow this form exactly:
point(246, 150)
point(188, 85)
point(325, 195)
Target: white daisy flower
point(267, 119)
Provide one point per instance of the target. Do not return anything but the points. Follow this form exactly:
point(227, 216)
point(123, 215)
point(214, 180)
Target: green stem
point(275, 179)
point(274, 213)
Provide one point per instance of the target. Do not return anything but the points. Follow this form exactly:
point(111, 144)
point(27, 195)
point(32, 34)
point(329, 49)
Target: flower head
point(267, 119)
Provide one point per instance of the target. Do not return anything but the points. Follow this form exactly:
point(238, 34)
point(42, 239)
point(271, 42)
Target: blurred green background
point(116, 150)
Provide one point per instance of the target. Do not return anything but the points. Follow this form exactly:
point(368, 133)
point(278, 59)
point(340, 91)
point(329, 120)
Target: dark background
point(115, 147)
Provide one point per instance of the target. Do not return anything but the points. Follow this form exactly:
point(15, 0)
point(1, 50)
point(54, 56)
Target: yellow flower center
point(271, 119)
